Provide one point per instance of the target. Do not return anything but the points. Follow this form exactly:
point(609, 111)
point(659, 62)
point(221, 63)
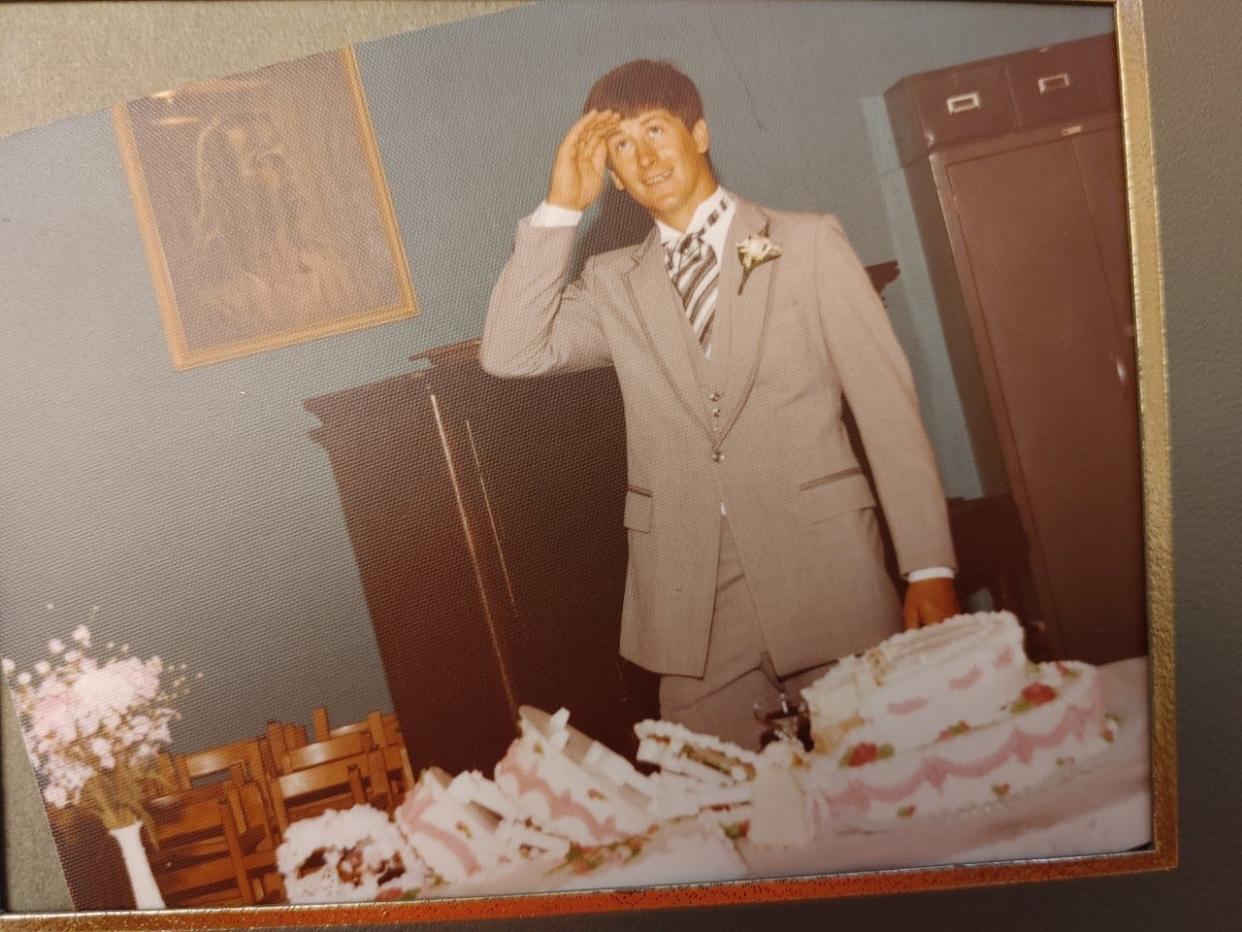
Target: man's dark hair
point(642, 85)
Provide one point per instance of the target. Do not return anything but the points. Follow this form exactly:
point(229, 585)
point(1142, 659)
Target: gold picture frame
point(223, 290)
point(1157, 501)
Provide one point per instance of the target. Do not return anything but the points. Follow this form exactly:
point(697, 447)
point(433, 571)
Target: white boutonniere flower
point(755, 250)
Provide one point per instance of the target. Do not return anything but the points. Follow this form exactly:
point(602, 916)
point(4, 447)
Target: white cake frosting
point(455, 837)
point(571, 786)
point(780, 814)
point(907, 688)
point(343, 856)
point(1055, 717)
point(696, 771)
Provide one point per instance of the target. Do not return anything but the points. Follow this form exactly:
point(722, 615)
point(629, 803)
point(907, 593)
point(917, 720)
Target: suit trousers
point(739, 674)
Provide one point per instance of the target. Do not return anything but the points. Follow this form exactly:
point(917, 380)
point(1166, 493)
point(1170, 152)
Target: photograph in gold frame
point(264, 209)
point(824, 886)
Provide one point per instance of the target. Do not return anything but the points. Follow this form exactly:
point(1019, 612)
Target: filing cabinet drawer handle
point(963, 103)
point(1054, 82)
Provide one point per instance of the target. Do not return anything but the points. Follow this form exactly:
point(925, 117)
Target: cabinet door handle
point(963, 103)
point(1054, 82)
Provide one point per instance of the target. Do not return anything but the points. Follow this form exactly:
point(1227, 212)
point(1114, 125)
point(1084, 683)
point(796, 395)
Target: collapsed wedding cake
point(945, 718)
point(934, 720)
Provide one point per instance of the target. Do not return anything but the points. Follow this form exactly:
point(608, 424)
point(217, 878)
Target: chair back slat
point(281, 737)
point(321, 752)
point(335, 784)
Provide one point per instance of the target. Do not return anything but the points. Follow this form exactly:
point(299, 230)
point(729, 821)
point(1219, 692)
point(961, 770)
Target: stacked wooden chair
point(219, 814)
point(214, 845)
point(385, 733)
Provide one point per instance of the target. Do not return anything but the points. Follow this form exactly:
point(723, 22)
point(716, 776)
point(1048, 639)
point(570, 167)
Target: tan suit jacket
point(806, 330)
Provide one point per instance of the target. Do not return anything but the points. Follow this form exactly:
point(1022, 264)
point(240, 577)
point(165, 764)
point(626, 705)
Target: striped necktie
point(695, 273)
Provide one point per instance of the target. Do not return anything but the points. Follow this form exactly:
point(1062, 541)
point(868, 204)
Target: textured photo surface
point(300, 609)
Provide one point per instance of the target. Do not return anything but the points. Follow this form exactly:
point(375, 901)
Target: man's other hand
point(578, 172)
point(929, 602)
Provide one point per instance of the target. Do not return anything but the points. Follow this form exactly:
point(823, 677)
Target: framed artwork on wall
point(264, 209)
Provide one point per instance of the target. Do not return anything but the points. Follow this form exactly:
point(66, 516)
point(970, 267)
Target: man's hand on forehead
point(578, 172)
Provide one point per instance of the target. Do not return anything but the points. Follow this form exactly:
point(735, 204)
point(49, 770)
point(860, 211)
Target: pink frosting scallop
point(410, 816)
point(967, 680)
point(905, 708)
point(560, 805)
point(934, 770)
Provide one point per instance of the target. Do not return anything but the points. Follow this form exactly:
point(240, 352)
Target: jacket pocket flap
point(638, 507)
point(848, 492)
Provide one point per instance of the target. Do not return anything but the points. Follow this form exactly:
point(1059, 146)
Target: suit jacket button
point(717, 456)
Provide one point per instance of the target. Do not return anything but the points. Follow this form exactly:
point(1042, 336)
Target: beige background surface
point(58, 60)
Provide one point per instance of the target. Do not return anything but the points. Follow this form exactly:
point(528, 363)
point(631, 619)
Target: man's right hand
point(578, 172)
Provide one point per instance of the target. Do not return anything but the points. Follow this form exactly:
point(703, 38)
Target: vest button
point(717, 456)
point(714, 396)
point(715, 412)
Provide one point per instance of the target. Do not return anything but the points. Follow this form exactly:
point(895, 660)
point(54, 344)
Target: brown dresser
point(1016, 173)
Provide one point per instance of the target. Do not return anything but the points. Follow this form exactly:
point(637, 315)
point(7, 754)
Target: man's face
point(662, 165)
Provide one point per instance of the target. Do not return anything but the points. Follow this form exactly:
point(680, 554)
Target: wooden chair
point(385, 733)
point(321, 752)
point(249, 759)
point(336, 784)
point(281, 737)
point(213, 846)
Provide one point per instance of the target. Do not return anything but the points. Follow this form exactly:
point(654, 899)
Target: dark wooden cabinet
point(1024, 226)
point(486, 522)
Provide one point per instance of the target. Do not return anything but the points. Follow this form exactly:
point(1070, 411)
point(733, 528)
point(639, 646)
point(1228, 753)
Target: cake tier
point(571, 786)
point(903, 690)
point(454, 837)
point(1055, 718)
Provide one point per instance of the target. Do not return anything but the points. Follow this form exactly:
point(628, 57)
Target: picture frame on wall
point(264, 209)
point(400, 571)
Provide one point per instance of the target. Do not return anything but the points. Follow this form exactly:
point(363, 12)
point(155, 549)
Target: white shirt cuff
point(931, 572)
point(549, 215)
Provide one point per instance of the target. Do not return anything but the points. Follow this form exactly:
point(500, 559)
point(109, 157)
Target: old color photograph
point(754, 491)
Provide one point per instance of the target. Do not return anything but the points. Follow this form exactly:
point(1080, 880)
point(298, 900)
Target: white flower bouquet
point(93, 727)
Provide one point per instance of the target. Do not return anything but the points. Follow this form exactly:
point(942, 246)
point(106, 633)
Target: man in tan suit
point(737, 334)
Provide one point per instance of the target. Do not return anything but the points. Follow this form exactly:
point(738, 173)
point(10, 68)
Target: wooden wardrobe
point(1016, 171)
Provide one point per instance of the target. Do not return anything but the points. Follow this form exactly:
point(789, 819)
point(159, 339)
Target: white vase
point(141, 880)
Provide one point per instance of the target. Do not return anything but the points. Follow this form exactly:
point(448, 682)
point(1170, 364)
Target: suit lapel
point(747, 312)
point(659, 311)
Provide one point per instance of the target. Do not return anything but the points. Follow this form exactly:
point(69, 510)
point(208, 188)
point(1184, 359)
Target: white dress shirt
point(549, 215)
